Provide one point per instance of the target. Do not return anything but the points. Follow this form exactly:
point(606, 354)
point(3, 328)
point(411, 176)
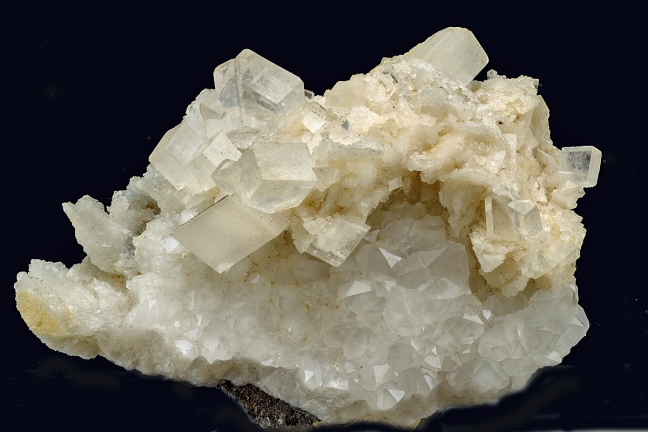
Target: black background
point(89, 90)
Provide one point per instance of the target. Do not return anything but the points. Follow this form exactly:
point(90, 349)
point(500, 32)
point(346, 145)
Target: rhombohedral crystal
point(402, 243)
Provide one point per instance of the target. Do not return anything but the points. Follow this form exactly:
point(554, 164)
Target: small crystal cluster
point(402, 243)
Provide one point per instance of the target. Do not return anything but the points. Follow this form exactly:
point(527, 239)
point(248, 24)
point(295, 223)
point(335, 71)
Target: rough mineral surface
point(402, 243)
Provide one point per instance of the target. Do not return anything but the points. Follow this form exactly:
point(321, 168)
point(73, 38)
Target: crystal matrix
point(402, 243)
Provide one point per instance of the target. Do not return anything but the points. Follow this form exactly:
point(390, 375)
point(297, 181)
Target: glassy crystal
point(229, 231)
point(583, 162)
point(394, 184)
point(454, 51)
point(176, 148)
point(336, 241)
point(265, 84)
point(313, 122)
point(194, 117)
point(227, 177)
point(430, 256)
point(498, 218)
point(276, 176)
point(526, 217)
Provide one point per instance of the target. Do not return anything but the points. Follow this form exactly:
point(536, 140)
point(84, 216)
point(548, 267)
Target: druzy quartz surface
point(405, 242)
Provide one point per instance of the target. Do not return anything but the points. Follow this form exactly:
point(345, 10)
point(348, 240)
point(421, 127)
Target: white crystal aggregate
point(402, 243)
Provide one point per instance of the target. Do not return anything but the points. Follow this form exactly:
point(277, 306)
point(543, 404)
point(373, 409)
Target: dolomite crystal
point(402, 243)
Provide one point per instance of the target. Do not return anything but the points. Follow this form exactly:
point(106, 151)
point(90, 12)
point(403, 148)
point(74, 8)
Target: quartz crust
point(405, 242)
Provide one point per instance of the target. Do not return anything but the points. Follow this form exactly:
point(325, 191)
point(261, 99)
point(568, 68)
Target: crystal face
point(402, 243)
point(454, 52)
point(583, 163)
point(276, 176)
point(229, 231)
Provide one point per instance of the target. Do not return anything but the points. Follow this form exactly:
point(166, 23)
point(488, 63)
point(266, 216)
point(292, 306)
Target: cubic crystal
point(176, 148)
point(265, 84)
point(229, 231)
point(336, 241)
point(276, 176)
point(250, 94)
point(583, 162)
point(526, 217)
point(403, 243)
point(455, 52)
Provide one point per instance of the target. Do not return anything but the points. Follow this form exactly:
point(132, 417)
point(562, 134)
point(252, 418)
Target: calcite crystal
point(402, 243)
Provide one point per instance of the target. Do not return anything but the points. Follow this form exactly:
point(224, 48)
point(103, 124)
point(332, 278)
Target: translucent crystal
point(213, 111)
point(395, 183)
point(194, 117)
point(249, 96)
point(212, 156)
point(498, 218)
point(583, 162)
point(211, 107)
point(313, 122)
point(227, 177)
point(176, 148)
point(525, 216)
point(337, 240)
point(229, 231)
point(268, 85)
point(552, 254)
point(276, 176)
point(419, 210)
point(219, 149)
point(454, 51)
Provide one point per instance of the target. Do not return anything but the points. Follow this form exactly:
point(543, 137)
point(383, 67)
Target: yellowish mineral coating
point(428, 258)
point(38, 316)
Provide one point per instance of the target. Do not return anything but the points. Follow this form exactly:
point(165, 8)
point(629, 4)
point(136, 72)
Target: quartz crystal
point(402, 243)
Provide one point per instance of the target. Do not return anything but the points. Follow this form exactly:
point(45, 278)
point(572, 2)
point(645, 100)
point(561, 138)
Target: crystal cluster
point(402, 243)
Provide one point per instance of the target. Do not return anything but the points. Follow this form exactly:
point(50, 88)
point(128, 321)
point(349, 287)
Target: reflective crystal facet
point(336, 241)
point(229, 231)
point(276, 176)
point(250, 95)
point(403, 243)
point(455, 52)
point(583, 162)
point(265, 84)
point(176, 148)
point(525, 216)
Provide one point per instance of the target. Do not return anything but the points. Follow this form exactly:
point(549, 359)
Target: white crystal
point(276, 176)
point(454, 51)
point(337, 239)
point(250, 93)
point(526, 217)
point(176, 148)
point(265, 84)
point(403, 243)
point(229, 231)
point(583, 162)
point(313, 122)
point(395, 183)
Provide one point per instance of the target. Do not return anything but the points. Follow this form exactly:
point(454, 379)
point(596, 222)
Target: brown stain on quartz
point(37, 316)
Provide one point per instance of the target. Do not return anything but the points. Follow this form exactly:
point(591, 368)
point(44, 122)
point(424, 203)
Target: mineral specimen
point(402, 243)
